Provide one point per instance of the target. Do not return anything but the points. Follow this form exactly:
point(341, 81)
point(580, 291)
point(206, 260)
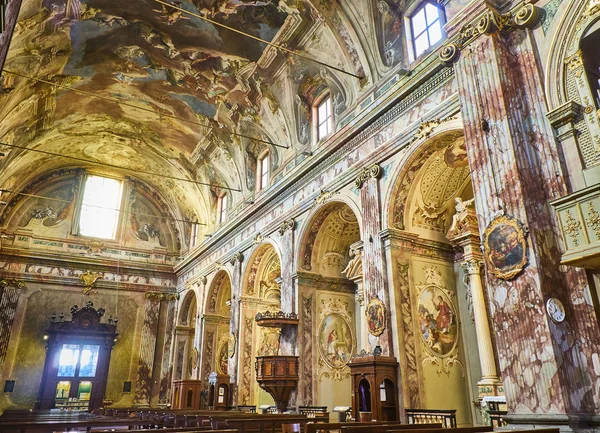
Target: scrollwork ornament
point(286, 225)
point(526, 16)
point(372, 172)
point(448, 53)
point(237, 258)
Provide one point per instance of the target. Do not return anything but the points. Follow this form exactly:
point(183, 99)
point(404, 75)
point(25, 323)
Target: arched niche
point(216, 327)
point(261, 291)
point(437, 345)
point(329, 278)
point(186, 359)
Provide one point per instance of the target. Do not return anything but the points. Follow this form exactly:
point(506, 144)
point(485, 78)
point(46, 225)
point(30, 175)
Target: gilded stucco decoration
point(438, 322)
point(336, 338)
point(505, 247)
point(89, 279)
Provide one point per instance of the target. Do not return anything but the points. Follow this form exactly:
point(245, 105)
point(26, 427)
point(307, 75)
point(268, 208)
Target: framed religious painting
point(376, 316)
point(505, 248)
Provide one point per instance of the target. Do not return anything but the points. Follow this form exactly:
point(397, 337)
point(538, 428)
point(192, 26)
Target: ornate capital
point(524, 15)
point(286, 225)
point(204, 280)
point(258, 239)
point(323, 196)
point(154, 296)
point(237, 258)
point(472, 266)
point(171, 296)
point(11, 282)
point(372, 172)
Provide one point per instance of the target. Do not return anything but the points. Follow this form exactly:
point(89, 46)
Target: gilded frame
point(505, 247)
point(376, 316)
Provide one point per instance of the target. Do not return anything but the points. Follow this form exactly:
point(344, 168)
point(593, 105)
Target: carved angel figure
point(461, 212)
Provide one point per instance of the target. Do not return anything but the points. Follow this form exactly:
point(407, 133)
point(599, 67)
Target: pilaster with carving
point(147, 348)
point(234, 326)
point(289, 334)
point(10, 290)
point(166, 373)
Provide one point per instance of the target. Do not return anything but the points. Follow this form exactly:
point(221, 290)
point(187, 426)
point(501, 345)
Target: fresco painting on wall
point(437, 321)
point(505, 247)
point(335, 340)
point(223, 358)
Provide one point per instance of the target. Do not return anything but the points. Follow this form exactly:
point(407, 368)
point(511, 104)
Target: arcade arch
point(434, 230)
point(328, 279)
point(186, 359)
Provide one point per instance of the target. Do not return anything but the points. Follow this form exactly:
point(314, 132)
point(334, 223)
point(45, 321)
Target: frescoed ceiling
point(157, 89)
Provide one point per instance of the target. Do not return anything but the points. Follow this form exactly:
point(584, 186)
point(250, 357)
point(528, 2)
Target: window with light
point(264, 172)
point(222, 208)
point(324, 118)
point(426, 27)
point(100, 207)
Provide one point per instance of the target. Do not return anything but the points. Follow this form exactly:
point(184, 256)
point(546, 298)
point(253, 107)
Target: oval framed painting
point(438, 321)
point(336, 340)
point(505, 248)
point(376, 316)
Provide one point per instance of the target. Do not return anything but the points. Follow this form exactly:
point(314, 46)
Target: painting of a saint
point(505, 247)
point(437, 321)
point(336, 340)
point(223, 358)
point(375, 313)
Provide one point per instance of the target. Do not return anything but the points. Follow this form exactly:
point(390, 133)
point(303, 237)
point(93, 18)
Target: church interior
point(250, 213)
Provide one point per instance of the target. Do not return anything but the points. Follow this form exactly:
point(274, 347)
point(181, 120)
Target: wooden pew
point(337, 426)
point(476, 429)
point(386, 426)
point(265, 423)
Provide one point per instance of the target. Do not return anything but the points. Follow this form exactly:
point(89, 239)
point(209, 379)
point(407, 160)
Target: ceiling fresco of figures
point(155, 87)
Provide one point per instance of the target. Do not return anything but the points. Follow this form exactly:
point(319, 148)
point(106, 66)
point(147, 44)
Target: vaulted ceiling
point(147, 87)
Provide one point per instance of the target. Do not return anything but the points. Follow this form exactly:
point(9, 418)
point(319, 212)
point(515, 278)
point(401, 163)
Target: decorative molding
point(593, 220)
point(426, 128)
point(258, 239)
point(372, 172)
point(472, 266)
point(286, 225)
point(572, 227)
point(12, 282)
point(524, 15)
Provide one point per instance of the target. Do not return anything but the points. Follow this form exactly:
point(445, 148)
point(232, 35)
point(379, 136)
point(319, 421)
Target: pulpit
point(374, 387)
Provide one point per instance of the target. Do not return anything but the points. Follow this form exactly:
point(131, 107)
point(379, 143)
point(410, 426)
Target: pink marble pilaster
point(166, 373)
point(374, 266)
point(545, 367)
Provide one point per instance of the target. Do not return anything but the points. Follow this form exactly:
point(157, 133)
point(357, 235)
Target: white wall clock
point(555, 310)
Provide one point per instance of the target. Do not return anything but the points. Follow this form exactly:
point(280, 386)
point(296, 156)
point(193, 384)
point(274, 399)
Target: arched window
point(425, 28)
point(264, 169)
point(222, 208)
point(324, 117)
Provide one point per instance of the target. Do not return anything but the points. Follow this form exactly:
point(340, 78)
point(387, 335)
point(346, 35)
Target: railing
point(311, 411)
point(427, 416)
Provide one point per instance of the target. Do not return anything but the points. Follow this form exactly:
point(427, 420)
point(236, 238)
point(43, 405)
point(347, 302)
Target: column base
point(489, 387)
point(565, 422)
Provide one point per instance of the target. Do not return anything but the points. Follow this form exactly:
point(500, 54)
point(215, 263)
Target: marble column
point(374, 269)
point(9, 298)
point(288, 339)
point(234, 326)
point(166, 373)
point(147, 349)
point(515, 169)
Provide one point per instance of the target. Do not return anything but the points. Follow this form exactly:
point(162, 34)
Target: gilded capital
point(372, 172)
point(154, 296)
